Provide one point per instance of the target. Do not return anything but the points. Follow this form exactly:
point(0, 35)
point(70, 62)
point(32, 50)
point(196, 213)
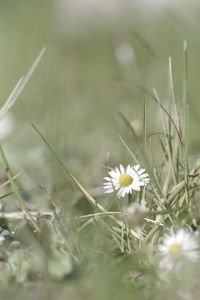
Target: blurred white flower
point(6, 126)
point(134, 214)
point(176, 247)
point(124, 54)
point(125, 180)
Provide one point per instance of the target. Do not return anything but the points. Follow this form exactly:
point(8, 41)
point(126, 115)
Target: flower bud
point(134, 214)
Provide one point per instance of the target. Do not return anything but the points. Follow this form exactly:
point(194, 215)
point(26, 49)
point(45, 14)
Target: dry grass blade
point(20, 86)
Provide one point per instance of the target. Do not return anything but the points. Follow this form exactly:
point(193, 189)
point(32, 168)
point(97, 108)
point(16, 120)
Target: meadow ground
point(109, 88)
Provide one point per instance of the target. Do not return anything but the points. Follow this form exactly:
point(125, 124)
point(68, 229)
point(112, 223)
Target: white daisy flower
point(177, 247)
point(125, 180)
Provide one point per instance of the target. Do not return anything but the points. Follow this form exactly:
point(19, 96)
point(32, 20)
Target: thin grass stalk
point(185, 118)
point(167, 134)
point(145, 125)
point(16, 191)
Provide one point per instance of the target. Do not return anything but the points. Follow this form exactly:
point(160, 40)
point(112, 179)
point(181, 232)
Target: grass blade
point(20, 86)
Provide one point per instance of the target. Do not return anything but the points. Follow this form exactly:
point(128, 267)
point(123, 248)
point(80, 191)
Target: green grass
point(80, 114)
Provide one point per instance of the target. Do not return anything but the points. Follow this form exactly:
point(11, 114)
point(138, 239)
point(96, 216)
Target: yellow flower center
point(175, 250)
point(125, 180)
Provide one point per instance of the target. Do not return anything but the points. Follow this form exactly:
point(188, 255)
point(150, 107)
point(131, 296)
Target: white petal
point(117, 170)
point(107, 178)
point(130, 189)
point(122, 169)
point(105, 187)
point(142, 183)
point(108, 191)
point(124, 192)
point(128, 169)
point(114, 174)
point(136, 167)
point(141, 171)
point(119, 194)
point(135, 187)
point(144, 175)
